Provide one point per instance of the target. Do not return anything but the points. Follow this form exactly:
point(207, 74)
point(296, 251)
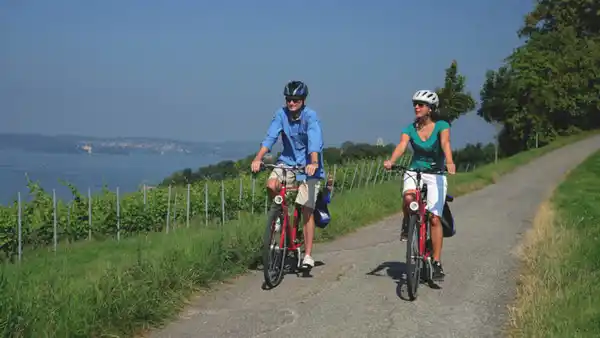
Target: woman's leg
point(408, 195)
point(436, 197)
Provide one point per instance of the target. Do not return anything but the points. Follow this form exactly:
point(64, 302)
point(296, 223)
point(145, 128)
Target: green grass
point(560, 289)
point(114, 288)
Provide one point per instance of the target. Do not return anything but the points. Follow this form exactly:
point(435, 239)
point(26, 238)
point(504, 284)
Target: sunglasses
point(293, 99)
point(419, 104)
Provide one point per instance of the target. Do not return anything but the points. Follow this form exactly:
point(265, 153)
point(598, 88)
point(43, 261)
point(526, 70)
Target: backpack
point(448, 226)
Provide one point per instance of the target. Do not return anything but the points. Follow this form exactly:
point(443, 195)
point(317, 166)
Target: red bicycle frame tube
point(423, 217)
point(286, 223)
point(422, 225)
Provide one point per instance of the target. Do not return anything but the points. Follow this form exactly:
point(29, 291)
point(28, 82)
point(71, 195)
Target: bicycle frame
point(295, 244)
point(280, 213)
point(280, 199)
point(421, 199)
point(422, 212)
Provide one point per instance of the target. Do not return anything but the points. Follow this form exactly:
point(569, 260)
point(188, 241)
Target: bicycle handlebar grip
point(397, 166)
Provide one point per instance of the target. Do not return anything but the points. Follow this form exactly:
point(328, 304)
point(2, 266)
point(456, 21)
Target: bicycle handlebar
point(263, 166)
point(420, 171)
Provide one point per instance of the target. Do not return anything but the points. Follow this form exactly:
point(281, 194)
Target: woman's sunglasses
point(420, 104)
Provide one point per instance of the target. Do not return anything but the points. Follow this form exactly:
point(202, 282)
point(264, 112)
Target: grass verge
point(119, 288)
point(558, 290)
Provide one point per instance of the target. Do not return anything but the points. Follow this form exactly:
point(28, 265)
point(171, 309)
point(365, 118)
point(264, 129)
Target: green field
point(559, 290)
point(104, 288)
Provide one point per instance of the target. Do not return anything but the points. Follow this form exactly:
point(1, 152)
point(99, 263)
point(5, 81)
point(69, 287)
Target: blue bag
point(321, 212)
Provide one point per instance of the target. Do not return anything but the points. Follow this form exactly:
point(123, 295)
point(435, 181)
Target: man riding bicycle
point(430, 142)
point(301, 135)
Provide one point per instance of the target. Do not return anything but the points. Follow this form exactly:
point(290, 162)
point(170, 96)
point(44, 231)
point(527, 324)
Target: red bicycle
point(419, 246)
point(280, 237)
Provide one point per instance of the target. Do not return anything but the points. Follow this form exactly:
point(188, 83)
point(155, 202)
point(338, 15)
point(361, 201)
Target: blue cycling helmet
point(296, 88)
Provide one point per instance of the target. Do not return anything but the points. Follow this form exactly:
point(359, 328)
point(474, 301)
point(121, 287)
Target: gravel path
point(343, 299)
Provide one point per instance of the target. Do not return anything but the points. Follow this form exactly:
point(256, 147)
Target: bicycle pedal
point(306, 268)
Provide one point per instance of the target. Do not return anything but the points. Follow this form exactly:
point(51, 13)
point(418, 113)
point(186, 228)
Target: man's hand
point(451, 168)
point(311, 169)
point(255, 166)
point(387, 164)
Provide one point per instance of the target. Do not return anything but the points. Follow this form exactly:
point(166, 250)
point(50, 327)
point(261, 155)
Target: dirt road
point(345, 299)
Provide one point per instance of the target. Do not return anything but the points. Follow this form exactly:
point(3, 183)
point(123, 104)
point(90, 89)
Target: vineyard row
point(45, 220)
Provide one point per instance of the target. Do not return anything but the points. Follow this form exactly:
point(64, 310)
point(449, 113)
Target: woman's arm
point(400, 148)
point(445, 140)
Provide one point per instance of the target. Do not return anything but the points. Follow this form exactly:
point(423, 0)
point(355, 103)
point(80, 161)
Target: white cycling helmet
point(427, 96)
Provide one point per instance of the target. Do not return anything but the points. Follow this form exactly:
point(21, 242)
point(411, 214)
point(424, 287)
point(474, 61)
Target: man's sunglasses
point(419, 104)
point(293, 99)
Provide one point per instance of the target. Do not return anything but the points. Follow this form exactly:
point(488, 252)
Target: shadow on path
point(397, 272)
point(290, 269)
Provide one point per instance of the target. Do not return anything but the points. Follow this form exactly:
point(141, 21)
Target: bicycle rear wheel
point(273, 253)
point(413, 261)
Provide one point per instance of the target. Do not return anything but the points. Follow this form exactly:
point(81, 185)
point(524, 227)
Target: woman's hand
point(387, 164)
point(451, 168)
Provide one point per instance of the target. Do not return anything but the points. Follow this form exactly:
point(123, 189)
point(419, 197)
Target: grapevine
point(73, 219)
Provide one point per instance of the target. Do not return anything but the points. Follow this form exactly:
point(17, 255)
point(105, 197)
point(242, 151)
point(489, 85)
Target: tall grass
point(559, 290)
point(119, 287)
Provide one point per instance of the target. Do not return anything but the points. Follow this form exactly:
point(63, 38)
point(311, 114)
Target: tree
point(548, 86)
point(187, 174)
point(454, 101)
point(498, 99)
point(553, 15)
point(474, 154)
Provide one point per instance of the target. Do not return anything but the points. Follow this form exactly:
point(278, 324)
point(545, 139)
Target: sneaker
point(308, 262)
point(438, 271)
point(404, 235)
point(404, 232)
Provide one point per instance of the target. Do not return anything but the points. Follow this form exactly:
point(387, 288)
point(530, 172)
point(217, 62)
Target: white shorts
point(437, 186)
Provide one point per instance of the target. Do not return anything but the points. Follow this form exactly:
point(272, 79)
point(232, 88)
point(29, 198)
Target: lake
point(85, 171)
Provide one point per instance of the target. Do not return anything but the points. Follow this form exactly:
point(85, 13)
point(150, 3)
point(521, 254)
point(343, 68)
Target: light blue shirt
point(299, 137)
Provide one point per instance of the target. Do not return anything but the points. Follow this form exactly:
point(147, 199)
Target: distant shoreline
point(129, 172)
point(74, 144)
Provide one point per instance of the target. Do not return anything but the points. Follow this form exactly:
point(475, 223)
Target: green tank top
point(427, 154)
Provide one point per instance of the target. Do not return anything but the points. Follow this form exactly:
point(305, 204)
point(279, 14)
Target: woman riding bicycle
point(430, 141)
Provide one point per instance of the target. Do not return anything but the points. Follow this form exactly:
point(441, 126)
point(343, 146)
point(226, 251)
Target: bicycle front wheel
point(413, 261)
point(274, 250)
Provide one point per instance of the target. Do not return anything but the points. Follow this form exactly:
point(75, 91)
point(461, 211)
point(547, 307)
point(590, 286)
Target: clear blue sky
point(215, 70)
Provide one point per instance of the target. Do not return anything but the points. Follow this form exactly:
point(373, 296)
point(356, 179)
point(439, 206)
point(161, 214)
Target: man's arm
point(272, 134)
point(315, 138)
point(261, 153)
